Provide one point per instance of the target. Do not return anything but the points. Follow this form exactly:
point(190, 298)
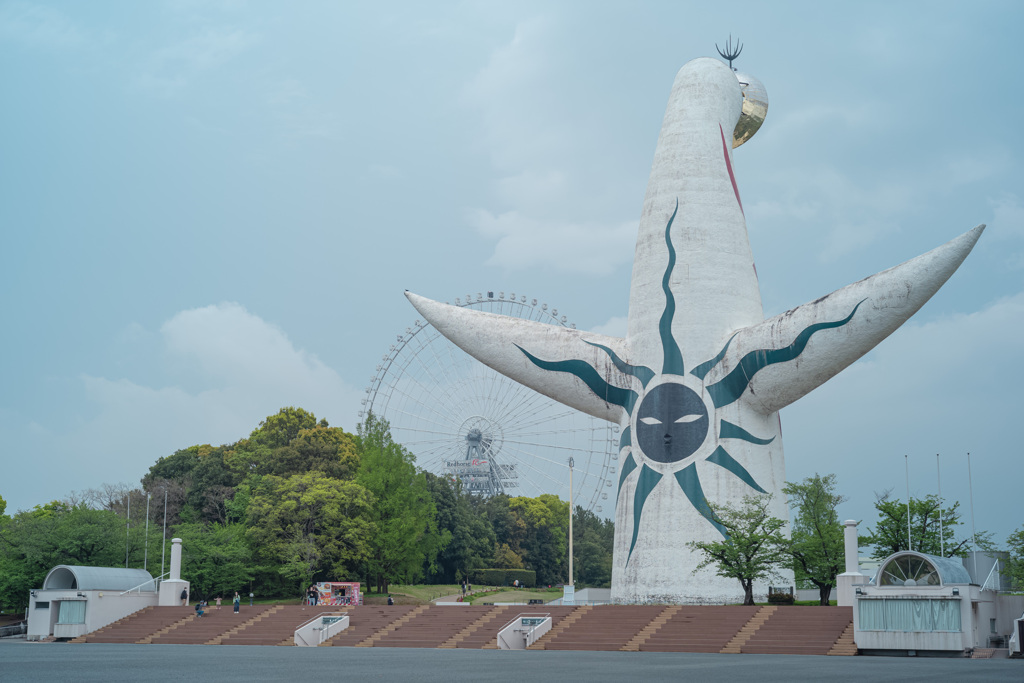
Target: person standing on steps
point(237, 601)
point(184, 597)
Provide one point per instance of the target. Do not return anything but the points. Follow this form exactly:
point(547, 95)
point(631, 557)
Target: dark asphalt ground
point(23, 661)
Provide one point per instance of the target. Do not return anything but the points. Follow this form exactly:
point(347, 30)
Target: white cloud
point(38, 26)
point(946, 387)
point(515, 127)
point(614, 327)
point(525, 242)
point(1007, 218)
point(173, 67)
point(839, 209)
point(246, 369)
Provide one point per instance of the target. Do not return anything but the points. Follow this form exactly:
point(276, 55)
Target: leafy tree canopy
point(309, 525)
point(405, 535)
point(279, 430)
point(755, 548)
point(816, 542)
point(889, 535)
point(1015, 567)
point(215, 558)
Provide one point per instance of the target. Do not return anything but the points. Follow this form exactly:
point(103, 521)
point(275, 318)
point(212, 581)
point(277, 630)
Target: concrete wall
point(102, 608)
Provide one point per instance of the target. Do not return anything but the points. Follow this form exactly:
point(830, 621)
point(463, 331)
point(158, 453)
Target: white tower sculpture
point(697, 383)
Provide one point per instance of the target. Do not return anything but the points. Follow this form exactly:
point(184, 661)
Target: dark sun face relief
point(671, 423)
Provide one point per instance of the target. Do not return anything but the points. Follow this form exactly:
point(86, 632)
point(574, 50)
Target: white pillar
point(851, 546)
point(175, 559)
point(847, 582)
point(170, 589)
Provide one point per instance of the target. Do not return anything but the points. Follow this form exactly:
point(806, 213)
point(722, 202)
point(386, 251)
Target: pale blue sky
point(210, 210)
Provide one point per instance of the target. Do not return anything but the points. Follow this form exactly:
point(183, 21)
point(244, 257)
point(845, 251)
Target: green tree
point(215, 558)
point(593, 541)
point(403, 517)
point(506, 558)
point(288, 517)
point(509, 528)
point(816, 542)
point(467, 538)
point(279, 430)
point(889, 534)
point(1015, 567)
point(34, 541)
point(545, 542)
point(755, 547)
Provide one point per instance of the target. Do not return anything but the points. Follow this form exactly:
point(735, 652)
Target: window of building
point(909, 570)
point(909, 614)
point(71, 612)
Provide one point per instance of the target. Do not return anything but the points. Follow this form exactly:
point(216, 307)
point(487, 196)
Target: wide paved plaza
point(23, 661)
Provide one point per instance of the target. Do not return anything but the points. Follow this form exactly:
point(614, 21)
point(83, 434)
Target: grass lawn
point(521, 595)
point(426, 593)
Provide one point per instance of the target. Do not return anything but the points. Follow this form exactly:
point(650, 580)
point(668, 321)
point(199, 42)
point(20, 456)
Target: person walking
point(237, 601)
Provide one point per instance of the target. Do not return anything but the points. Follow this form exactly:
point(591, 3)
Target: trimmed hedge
point(780, 599)
point(527, 577)
point(505, 577)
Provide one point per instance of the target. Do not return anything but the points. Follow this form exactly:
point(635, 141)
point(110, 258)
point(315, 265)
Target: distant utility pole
point(145, 556)
point(942, 543)
point(127, 527)
point(572, 582)
point(906, 462)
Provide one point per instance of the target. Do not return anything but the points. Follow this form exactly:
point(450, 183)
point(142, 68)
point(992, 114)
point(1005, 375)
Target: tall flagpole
point(127, 527)
point(145, 555)
point(974, 537)
point(942, 542)
point(572, 582)
point(906, 462)
point(164, 546)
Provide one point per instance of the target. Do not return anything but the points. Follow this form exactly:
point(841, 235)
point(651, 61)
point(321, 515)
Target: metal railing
point(539, 618)
point(998, 582)
point(155, 582)
point(325, 619)
point(14, 630)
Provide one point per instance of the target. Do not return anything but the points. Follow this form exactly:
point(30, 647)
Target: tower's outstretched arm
point(503, 343)
point(776, 362)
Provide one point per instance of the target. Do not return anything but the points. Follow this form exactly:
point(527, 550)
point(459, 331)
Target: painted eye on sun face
point(689, 418)
point(650, 420)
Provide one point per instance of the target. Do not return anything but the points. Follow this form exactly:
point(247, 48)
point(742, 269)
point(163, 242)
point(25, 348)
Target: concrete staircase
point(217, 640)
point(797, 630)
point(646, 628)
point(365, 621)
point(102, 632)
point(393, 626)
point(562, 626)
point(735, 645)
point(459, 638)
point(166, 629)
point(844, 647)
point(647, 631)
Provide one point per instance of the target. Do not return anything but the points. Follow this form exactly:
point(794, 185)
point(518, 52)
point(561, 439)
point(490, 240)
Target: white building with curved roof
point(76, 600)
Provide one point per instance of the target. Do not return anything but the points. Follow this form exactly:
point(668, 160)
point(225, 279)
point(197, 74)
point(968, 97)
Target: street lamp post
point(145, 555)
point(164, 546)
point(127, 530)
point(572, 580)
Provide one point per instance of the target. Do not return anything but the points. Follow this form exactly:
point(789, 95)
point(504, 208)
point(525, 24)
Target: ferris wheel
point(465, 421)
